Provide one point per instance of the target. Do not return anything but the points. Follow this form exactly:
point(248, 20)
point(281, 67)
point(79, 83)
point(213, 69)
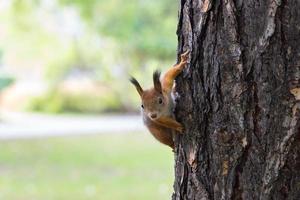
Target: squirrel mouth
point(153, 116)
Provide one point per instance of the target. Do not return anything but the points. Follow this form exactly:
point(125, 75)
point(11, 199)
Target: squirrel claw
point(179, 129)
point(184, 57)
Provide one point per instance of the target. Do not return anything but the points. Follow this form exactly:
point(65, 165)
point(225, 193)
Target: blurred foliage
point(144, 27)
point(5, 81)
point(58, 102)
point(106, 40)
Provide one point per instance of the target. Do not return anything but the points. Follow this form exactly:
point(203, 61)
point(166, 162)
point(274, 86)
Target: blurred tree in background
point(91, 45)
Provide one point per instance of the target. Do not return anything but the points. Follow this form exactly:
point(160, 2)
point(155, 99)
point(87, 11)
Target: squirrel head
point(154, 103)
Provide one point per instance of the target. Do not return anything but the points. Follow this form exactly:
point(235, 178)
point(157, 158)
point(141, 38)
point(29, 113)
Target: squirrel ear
point(137, 85)
point(156, 81)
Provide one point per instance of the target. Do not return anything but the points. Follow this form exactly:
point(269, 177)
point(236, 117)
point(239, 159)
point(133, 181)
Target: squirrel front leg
point(161, 133)
point(170, 75)
point(170, 123)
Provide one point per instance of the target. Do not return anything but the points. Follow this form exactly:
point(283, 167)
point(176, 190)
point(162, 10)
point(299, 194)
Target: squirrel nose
point(153, 116)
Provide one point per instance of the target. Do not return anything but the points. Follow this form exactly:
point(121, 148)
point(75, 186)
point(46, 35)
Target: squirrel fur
point(158, 104)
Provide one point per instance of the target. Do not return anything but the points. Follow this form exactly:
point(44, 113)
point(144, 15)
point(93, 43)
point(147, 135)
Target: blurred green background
point(74, 57)
point(91, 167)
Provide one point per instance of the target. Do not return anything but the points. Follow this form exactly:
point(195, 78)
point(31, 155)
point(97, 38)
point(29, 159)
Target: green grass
point(105, 167)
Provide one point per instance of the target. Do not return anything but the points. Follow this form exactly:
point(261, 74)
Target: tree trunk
point(239, 100)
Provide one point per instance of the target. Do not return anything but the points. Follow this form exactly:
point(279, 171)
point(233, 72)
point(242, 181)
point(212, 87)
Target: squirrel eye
point(142, 106)
point(160, 100)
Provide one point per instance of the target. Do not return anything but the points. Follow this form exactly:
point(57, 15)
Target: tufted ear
point(156, 81)
point(137, 86)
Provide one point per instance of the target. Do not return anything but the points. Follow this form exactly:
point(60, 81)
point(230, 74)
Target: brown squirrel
point(157, 103)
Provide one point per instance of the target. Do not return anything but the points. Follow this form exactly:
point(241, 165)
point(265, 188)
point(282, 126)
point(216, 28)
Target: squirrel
point(158, 103)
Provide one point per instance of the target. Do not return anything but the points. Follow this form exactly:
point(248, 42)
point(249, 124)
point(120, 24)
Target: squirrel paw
point(184, 57)
point(179, 128)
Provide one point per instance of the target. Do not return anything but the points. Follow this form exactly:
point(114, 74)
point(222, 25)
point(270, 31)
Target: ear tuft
point(137, 85)
point(156, 81)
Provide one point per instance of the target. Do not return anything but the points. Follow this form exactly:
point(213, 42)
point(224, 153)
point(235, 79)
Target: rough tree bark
point(238, 100)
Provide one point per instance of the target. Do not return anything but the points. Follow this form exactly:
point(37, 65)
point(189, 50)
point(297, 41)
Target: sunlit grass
point(106, 167)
